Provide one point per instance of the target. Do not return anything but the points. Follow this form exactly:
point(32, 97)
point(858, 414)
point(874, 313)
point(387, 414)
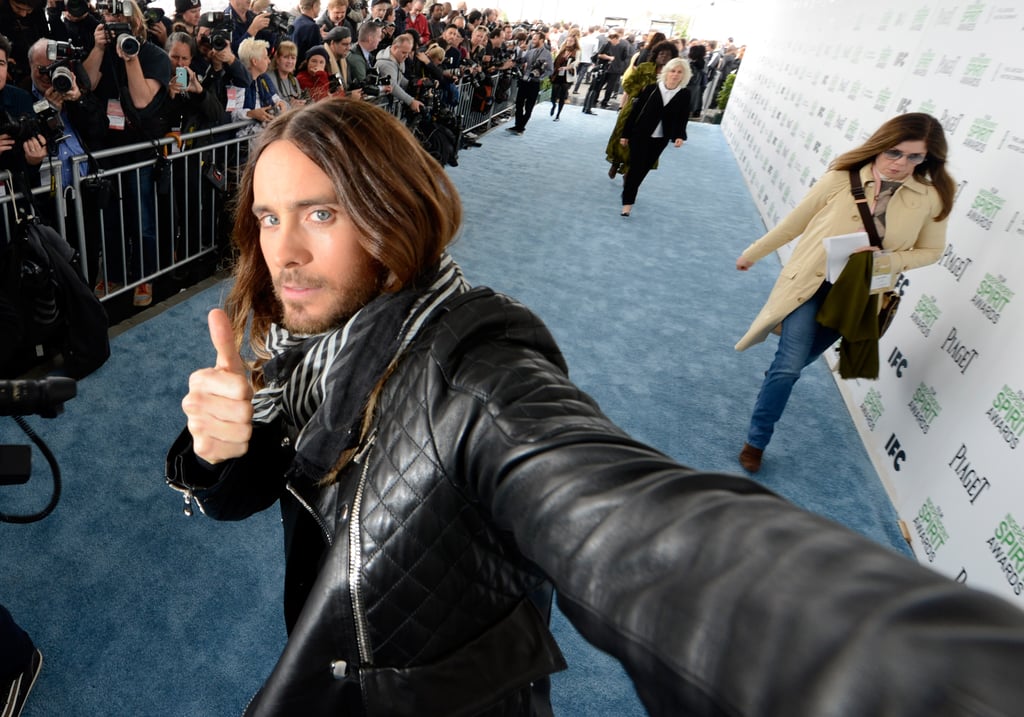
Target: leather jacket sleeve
point(719, 597)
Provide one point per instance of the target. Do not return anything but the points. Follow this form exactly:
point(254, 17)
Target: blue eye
point(269, 220)
point(322, 215)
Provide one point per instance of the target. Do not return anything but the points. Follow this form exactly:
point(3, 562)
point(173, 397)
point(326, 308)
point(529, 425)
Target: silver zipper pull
point(365, 448)
point(188, 503)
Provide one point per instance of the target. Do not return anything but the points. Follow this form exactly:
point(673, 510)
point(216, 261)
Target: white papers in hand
point(838, 250)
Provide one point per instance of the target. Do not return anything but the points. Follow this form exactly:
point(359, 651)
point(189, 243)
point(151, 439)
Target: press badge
point(115, 114)
point(235, 99)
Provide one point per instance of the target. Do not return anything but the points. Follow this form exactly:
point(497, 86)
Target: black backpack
point(45, 306)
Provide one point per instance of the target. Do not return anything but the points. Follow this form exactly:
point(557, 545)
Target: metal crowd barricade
point(48, 201)
point(473, 120)
point(146, 209)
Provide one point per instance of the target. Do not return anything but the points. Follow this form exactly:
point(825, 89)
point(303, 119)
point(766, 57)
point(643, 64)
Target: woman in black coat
point(658, 117)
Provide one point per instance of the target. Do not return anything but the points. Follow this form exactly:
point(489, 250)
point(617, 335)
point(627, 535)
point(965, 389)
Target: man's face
point(21, 9)
point(436, 11)
point(340, 48)
point(537, 39)
point(379, 11)
point(373, 40)
point(3, 69)
point(180, 54)
point(452, 36)
point(321, 274)
point(337, 14)
point(479, 36)
point(38, 62)
point(401, 51)
point(416, 7)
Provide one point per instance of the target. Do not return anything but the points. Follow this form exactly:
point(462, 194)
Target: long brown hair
point(907, 128)
point(400, 199)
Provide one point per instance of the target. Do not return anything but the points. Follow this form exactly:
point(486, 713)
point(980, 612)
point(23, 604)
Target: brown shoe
point(750, 458)
point(612, 171)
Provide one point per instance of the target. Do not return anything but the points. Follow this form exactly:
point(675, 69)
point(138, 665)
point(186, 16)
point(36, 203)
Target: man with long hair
point(438, 474)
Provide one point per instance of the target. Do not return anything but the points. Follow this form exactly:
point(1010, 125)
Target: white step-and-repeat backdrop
point(945, 420)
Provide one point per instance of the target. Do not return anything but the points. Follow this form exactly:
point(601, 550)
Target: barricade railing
point(138, 212)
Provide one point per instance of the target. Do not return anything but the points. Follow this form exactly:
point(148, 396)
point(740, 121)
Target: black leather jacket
point(488, 471)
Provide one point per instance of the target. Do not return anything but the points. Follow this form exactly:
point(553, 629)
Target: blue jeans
point(803, 340)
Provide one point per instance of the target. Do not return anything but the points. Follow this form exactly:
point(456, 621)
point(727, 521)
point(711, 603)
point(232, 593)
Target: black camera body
point(537, 69)
point(45, 121)
point(219, 36)
point(373, 84)
point(280, 22)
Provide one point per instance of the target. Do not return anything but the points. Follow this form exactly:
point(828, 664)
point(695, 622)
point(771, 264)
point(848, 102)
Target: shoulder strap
point(861, 200)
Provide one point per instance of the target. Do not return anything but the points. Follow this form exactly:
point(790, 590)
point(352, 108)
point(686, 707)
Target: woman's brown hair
point(907, 128)
point(400, 199)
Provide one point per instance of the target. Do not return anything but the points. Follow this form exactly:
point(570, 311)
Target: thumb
point(223, 339)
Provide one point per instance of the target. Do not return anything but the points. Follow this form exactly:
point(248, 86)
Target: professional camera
point(219, 36)
point(374, 83)
point(475, 76)
point(45, 122)
point(380, 22)
point(114, 7)
point(42, 397)
point(64, 51)
point(537, 68)
point(280, 22)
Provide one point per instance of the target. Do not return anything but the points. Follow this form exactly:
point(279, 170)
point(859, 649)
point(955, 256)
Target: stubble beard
point(299, 318)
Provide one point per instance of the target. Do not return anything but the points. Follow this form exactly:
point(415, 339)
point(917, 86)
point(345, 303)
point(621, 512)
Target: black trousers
point(15, 647)
point(526, 98)
point(610, 83)
point(643, 153)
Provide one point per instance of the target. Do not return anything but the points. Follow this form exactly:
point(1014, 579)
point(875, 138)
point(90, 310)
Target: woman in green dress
point(644, 74)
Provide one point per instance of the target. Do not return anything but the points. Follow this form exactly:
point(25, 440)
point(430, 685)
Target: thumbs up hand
point(219, 400)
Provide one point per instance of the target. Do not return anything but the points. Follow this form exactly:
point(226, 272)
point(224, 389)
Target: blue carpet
point(140, 611)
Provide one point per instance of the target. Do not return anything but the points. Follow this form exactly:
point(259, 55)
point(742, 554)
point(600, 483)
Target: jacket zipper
point(355, 556)
point(313, 512)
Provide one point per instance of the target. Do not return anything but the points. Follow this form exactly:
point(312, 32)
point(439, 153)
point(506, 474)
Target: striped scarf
point(319, 384)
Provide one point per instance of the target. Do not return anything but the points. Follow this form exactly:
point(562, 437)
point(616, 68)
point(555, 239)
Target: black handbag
point(889, 301)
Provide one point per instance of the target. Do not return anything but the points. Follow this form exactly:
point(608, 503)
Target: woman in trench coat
point(902, 167)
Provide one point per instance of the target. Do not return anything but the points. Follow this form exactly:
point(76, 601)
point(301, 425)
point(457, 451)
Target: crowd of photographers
point(77, 77)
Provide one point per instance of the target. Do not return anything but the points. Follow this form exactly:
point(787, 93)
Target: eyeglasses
point(895, 154)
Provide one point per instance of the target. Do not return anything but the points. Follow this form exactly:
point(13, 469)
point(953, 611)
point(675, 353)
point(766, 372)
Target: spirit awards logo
point(924, 63)
point(992, 296)
point(926, 313)
point(1007, 546)
point(955, 263)
point(972, 13)
point(882, 100)
point(930, 529)
point(924, 407)
point(985, 208)
point(872, 407)
point(918, 21)
point(851, 130)
point(973, 482)
point(883, 58)
point(976, 67)
point(980, 133)
point(1007, 415)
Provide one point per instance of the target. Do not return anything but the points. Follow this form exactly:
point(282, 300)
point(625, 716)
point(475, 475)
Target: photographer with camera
point(80, 22)
point(78, 114)
point(186, 16)
point(336, 15)
point(23, 22)
point(245, 23)
point(536, 64)
point(16, 104)
point(130, 74)
point(361, 59)
point(382, 14)
point(391, 64)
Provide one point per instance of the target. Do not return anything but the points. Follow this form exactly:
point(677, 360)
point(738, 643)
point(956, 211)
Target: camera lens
point(62, 79)
point(128, 44)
